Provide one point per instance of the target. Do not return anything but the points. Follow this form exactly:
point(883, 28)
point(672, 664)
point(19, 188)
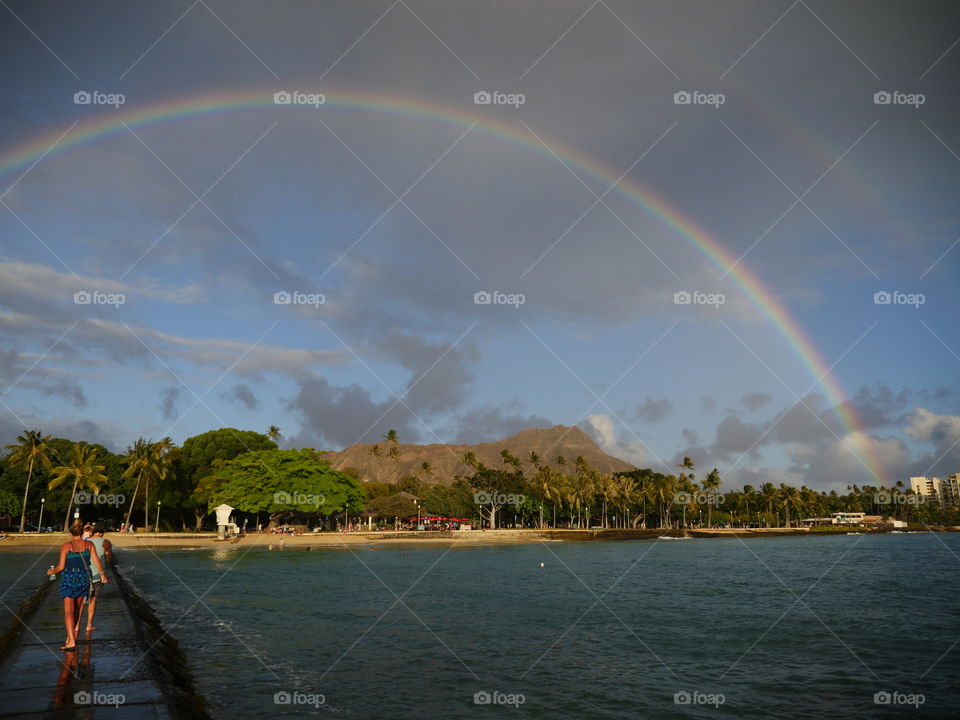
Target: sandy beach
point(334, 540)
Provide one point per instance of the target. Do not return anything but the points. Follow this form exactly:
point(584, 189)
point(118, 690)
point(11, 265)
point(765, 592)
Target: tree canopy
point(275, 481)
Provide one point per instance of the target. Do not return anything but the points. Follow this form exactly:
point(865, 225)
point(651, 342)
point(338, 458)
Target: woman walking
point(75, 558)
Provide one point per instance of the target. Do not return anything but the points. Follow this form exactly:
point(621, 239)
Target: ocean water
point(772, 627)
point(21, 574)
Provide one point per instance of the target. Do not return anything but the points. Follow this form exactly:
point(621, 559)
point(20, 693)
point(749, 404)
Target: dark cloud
point(735, 437)
point(169, 398)
point(652, 410)
point(708, 403)
point(22, 371)
point(490, 423)
point(334, 417)
point(76, 430)
point(755, 400)
point(241, 393)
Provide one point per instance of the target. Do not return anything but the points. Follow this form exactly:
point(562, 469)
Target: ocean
point(840, 626)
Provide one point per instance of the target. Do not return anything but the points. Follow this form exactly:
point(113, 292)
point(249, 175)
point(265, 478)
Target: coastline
point(471, 538)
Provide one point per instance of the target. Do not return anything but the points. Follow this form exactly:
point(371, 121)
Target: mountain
point(445, 460)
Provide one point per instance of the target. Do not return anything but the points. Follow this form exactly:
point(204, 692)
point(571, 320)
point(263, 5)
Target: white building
point(951, 490)
point(946, 492)
point(929, 487)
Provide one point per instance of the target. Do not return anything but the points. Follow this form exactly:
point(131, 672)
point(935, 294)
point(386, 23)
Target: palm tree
point(748, 492)
point(30, 451)
point(711, 483)
point(159, 470)
point(137, 461)
point(425, 469)
point(375, 451)
point(790, 497)
point(84, 471)
point(273, 432)
point(768, 495)
point(687, 488)
point(392, 436)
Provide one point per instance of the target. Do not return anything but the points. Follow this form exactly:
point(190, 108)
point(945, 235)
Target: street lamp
point(156, 525)
point(417, 503)
point(43, 500)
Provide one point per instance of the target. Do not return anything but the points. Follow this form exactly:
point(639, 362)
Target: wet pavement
point(107, 676)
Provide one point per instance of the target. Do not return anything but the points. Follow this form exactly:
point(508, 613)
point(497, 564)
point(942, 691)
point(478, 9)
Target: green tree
point(284, 482)
point(29, 452)
point(83, 470)
point(710, 484)
point(198, 462)
point(273, 432)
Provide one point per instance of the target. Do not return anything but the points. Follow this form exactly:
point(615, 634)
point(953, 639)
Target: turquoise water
point(413, 633)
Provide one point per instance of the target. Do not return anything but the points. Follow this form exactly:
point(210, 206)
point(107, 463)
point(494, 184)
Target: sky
point(726, 230)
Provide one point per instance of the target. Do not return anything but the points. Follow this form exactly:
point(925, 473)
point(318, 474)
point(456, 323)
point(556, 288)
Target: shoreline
point(470, 538)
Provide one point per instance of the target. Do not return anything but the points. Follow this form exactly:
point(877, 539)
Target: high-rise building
point(951, 490)
point(930, 487)
point(946, 492)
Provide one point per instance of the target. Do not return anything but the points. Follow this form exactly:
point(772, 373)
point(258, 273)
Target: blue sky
point(301, 202)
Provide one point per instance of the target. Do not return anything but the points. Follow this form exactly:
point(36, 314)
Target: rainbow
point(114, 122)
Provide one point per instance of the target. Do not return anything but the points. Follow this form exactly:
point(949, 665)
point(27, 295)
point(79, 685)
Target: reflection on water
point(75, 679)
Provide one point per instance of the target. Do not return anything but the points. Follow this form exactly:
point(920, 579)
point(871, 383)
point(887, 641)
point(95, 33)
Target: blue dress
point(75, 578)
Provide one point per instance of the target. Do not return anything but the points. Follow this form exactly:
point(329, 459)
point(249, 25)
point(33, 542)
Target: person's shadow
point(75, 679)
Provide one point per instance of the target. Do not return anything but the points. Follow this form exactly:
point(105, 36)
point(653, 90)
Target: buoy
point(541, 564)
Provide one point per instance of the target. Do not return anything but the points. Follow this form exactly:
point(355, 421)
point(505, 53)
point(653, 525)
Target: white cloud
point(601, 427)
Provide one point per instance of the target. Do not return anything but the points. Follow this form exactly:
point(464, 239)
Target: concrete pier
point(121, 670)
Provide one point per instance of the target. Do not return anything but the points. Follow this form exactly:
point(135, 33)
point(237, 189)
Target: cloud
point(21, 370)
point(708, 403)
point(76, 430)
point(168, 402)
point(833, 464)
point(489, 423)
point(735, 437)
point(601, 428)
point(756, 400)
point(241, 393)
point(341, 416)
point(652, 410)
